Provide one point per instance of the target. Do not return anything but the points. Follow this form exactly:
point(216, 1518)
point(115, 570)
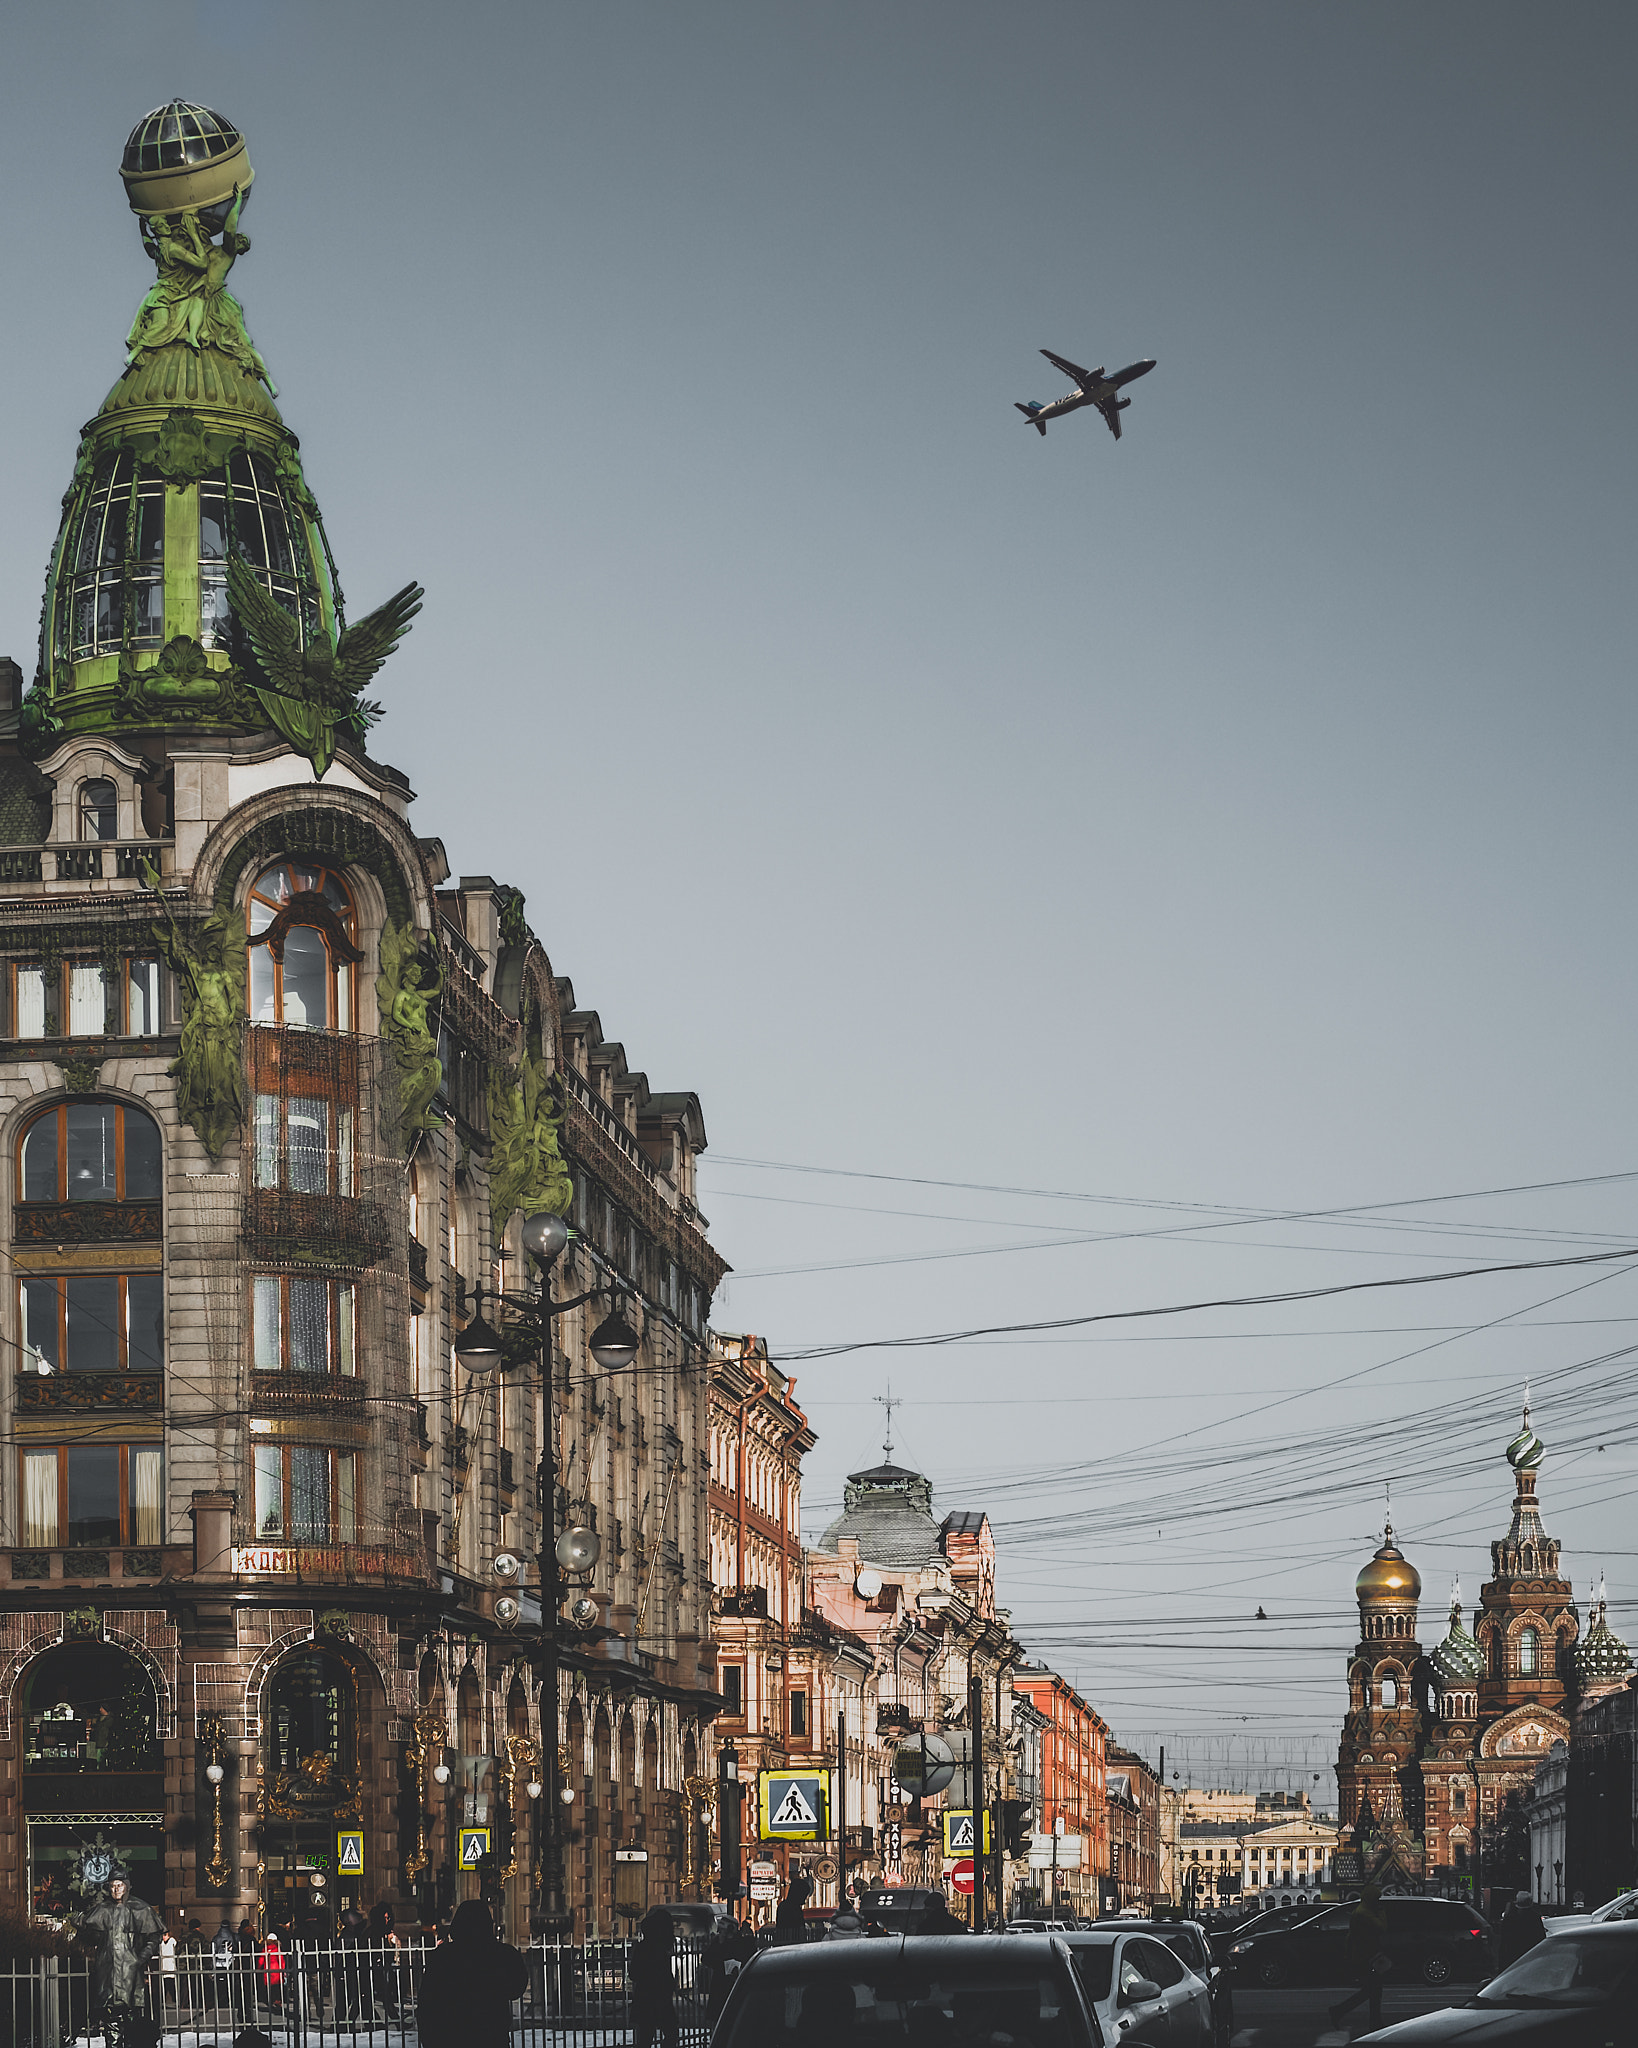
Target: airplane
point(1096, 389)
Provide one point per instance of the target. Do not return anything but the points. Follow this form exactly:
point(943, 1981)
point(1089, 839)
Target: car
point(1578, 1989)
point(1187, 1941)
point(1436, 1940)
point(1140, 1989)
point(1034, 1926)
point(1272, 1921)
point(894, 1988)
point(1624, 1906)
point(907, 1909)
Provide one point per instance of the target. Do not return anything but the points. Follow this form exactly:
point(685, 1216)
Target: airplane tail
point(1031, 412)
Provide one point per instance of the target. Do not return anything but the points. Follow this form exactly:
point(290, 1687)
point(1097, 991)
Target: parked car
point(1036, 1926)
point(1437, 1940)
point(1272, 1921)
point(906, 1909)
point(1624, 1906)
point(899, 1989)
point(1187, 1941)
point(1574, 1991)
point(1140, 1989)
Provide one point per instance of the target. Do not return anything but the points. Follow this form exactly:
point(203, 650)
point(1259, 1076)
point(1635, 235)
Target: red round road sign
point(962, 1875)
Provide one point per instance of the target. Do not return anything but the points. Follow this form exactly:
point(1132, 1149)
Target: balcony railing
point(93, 1562)
point(95, 860)
point(80, 1392)
point(293, 1393)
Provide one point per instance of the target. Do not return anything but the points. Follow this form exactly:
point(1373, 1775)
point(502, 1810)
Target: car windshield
point(974, 2001)
point(1619, 1909)
point(1564, 1971)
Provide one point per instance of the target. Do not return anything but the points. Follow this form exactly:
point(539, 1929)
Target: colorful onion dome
point(1527, 1450)
point(1458, 1660)
point(1600, 1658)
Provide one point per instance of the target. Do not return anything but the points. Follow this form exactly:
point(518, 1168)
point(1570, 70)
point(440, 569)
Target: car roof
point(824, 1958)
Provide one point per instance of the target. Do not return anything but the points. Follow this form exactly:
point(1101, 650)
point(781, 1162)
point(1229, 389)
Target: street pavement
point(1300, 2018)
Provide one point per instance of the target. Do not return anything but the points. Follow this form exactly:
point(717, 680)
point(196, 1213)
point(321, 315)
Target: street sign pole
point(728, 1824)
point(975, 1721)
point(841, 1808)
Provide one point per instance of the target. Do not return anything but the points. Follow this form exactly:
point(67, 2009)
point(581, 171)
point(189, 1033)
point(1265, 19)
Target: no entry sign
point(962, 1875)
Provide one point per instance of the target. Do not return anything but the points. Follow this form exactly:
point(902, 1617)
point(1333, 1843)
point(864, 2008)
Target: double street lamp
point(482, 1349)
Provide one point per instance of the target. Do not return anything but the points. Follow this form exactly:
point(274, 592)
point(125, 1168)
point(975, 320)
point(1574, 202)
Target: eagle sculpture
point(310, 690)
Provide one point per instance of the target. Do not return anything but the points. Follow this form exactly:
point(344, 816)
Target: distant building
point(1074, 1781)
point(1132, 1799)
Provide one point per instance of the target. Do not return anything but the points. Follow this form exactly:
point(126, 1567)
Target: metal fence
point(330, 1996)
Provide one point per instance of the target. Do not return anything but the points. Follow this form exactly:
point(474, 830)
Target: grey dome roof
point(889, 1513)
point(178, 134)
point(1600, 1658)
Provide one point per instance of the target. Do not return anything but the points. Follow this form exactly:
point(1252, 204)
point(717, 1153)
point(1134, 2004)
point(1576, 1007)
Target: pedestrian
point(355, 1967)
point(1521, 1928)
point(191, 1966)
point(653, 2001)
point(384, 1952)
point(790, 1927)
point(1368, 1958)
point(167, 1967)
point(720, 1963)
point(244, 1968)
point(469, 1985)
point(223, 1951)
point(270, 1968)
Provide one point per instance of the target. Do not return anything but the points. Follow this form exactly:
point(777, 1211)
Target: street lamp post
point(481, 1349)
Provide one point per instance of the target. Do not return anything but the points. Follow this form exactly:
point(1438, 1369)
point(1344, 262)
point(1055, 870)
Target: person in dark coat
point(653, 2004)
point(790, 1927)
point(470, 1983)
point(384, 1945)
point(355, 1968)
point(1367, 1955)
point(1521, 1928)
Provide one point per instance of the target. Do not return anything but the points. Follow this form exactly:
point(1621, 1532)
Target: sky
point(1061, 867)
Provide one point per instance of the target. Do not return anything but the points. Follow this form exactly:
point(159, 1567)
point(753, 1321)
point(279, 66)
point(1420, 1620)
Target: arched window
point(1390, 1692)
point(99, 810)
point(311, 1711)
point(1529, 1653)
point(302, 931)
point(1498, 1655)
point(91, 1152)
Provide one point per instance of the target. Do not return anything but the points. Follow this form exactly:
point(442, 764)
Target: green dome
point(1527, 1450)
point(1458, 1660)
point(1600, 1658)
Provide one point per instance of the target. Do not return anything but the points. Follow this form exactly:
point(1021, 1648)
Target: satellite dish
point(923, 1765)
point(868, 1582)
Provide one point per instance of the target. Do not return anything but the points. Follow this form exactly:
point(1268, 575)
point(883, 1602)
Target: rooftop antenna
point(889, 1401)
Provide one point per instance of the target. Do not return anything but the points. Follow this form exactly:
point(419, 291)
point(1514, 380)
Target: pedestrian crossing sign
point(474, 1847)
point(349, 1852)
point(960, 1833)
point(793, 1806)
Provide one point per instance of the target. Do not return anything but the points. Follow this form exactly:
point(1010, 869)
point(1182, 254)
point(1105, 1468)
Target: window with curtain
point(303, 948)
point(306, 1493)
point(302, 1323)
point(93, 1494)
point(83, 998)
point(91, 1152)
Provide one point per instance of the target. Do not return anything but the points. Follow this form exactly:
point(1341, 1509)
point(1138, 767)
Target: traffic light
point(1015, 1827)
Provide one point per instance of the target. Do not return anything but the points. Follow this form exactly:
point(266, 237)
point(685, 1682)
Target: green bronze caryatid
point(211, 1093)
point(526, 1169)
point(404, 990)
point(192, 585)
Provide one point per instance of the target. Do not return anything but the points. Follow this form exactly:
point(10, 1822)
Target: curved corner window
point(91, 1152)
point(243, 507)
point(303, 948)
point(1529, 1653)
point(99, 809)
point(116, 561)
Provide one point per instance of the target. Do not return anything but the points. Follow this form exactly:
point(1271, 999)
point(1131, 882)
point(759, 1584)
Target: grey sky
point(1238, 815)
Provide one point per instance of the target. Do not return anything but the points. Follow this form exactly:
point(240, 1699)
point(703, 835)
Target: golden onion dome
point(1390, 1575)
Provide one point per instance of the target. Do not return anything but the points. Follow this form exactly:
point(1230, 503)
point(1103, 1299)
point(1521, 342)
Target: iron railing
point(335, 1995)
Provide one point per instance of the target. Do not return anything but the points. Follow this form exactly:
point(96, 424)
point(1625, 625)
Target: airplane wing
point(1111, 417)
point(1082, 377)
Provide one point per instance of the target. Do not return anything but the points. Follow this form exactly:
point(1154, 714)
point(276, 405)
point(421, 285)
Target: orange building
point(1074, 1781)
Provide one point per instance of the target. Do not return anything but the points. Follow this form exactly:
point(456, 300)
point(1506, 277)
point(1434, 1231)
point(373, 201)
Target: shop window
point(312, 1703)
point(91, 1152)
point(88, 1707)
point(301, 1323)
point(92, 1322)
point(306, 1493)
point(303, 949)
point(79, 1494)
point(84, 998)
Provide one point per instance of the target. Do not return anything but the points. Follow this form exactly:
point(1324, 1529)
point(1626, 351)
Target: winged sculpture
point(309, 691)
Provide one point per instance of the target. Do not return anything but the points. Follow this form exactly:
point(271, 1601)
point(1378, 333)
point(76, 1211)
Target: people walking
point(355, 1968)
point(469, 1984)
point(790, 1926)
point(224, 1959)
point(270, 1968)
point(385, 1949)
point(653, 1989)
point(1521, 1928)
point(1368, 1959)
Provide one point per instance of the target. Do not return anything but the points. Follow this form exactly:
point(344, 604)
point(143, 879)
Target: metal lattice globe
point(182, 158)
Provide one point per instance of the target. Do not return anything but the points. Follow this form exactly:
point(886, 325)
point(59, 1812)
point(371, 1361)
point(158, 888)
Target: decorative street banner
point(959, 1831)
point(474, 1847)
point(349, 1852)
point(793, 1806)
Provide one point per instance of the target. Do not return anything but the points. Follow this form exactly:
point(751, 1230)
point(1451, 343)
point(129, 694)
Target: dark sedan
point(1578, 1990)
point(1438, 1940)
point(916, 1989)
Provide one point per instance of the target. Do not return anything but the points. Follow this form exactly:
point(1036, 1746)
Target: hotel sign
point(315, 1562)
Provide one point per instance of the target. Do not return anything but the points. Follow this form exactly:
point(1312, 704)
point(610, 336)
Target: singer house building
point(353, 1536)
